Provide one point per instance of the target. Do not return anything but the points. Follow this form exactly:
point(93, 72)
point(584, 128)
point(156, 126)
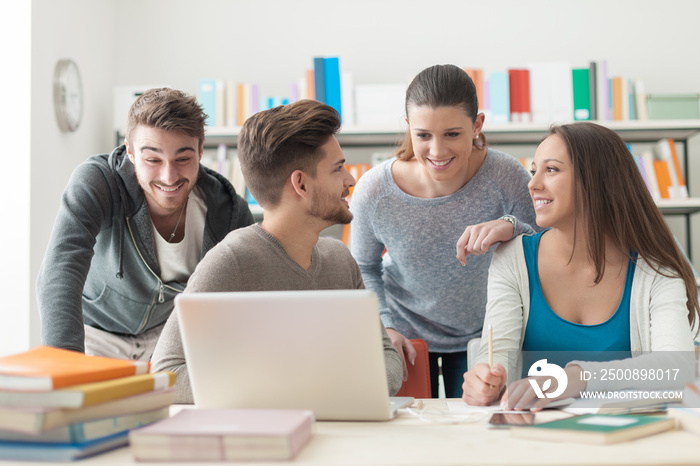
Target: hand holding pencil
point(484, 383)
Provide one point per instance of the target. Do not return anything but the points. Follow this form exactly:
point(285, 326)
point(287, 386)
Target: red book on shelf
point(519, 86)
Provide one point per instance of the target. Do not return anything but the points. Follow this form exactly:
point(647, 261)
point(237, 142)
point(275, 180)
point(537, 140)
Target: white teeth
point(542, 201)
point(169, 190)
point(440, 163)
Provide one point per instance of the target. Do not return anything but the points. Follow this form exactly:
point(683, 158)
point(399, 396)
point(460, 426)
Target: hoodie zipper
point(161, 297)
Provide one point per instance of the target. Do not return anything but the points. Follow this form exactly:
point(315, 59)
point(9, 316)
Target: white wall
point(272, 42)
point(84, 30)
point(15, 44)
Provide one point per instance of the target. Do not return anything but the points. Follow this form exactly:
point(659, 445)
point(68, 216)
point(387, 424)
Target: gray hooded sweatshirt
point(100, 266)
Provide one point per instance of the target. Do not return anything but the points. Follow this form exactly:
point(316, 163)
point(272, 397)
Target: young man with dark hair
point(130, 230)
point(295, 169)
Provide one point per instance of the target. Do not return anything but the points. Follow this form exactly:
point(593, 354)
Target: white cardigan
point(658, 320)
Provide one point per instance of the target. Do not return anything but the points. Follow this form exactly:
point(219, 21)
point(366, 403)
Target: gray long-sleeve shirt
point(251, 259)
point(424, 292)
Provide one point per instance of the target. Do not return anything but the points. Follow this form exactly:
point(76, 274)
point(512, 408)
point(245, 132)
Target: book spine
point(206, 96)
point(331, 70)
point(319, 79)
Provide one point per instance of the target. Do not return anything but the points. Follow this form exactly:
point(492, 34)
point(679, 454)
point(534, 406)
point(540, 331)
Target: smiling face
point(166, 165)
point(552, 184)
point(331, 186)
point(442, 140)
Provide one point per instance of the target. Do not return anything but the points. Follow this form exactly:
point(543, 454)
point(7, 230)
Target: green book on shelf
point(596, 428)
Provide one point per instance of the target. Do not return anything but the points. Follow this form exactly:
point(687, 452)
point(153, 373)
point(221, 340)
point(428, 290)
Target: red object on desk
point(418, 383)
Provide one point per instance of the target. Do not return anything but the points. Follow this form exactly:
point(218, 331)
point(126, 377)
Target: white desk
point(408, 441)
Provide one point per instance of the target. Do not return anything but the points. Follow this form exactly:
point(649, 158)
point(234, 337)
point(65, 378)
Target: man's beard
point(321, 208)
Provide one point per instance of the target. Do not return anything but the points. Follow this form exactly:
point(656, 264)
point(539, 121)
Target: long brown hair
point(441, 86)
point(615, 203)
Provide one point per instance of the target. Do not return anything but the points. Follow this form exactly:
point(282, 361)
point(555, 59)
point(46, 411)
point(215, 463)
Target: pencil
point(490, 346)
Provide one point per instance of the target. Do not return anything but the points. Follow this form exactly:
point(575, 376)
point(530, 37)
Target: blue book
point(206, 96)
point(332, 79)
point(29, 451)
point(320, 79)
point(499, 96)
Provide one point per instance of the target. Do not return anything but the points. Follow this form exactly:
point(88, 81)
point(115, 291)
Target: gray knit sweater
point(424, 292)
point(251, 259)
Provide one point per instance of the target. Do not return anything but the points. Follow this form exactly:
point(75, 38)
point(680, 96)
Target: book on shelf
point(519, 89)
point(665, 150)
point(23, 451)
point(356, 170)
point(582, 93)
point(89, 430)
point(331, 75)
point(310, 85)
point(231, 103)
point(37, 420)
point(596, 428)
point(663, 178)
point(499, 97)
point(206, 96)
point(224, 435)
point(592, 83)
point(347, 98)
point(551, 92)
point(602, 88)
point(617, 98)
point(88, 394)
point(320, 79)
point(45, 368)
point(646, 161)
point(477, 76)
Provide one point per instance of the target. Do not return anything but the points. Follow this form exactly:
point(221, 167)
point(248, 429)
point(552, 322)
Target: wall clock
point(67, 95)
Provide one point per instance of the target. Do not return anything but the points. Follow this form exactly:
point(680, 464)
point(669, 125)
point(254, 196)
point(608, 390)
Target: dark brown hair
point(274, 143)
point(441, 86)
point(169, 110)
point(615, 203)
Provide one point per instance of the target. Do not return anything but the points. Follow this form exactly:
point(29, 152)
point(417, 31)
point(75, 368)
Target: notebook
point(319, 350)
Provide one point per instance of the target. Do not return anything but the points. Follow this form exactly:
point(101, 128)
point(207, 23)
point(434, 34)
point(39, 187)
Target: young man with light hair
point(131, 228)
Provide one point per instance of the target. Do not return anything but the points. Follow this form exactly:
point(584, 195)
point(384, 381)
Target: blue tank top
point(560, 341)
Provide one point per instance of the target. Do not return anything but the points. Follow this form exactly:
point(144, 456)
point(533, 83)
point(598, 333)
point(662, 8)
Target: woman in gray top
point(416, 206)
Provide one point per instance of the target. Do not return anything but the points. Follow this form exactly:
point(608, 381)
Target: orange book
point(617, 98)
point(682, 188)
point(47, 368)
point(477, 76)
point(663, 177)
point(356, 170)
point(241, 104)
point(310, 85)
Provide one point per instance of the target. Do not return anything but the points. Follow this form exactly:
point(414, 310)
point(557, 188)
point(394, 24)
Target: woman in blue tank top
point(606, 278)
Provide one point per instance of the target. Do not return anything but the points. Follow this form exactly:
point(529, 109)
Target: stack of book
point(60, 405)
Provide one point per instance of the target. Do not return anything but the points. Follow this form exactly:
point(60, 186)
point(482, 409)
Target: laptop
point(317, 349)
